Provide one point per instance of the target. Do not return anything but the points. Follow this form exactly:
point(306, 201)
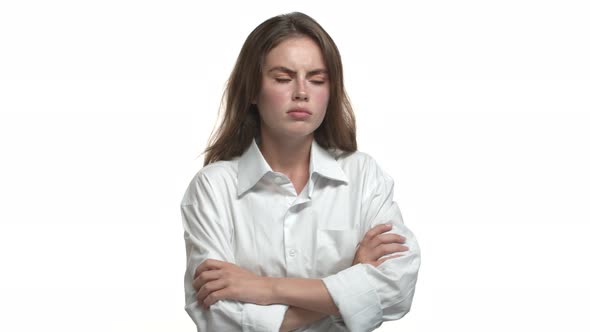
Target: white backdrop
point(479, 110)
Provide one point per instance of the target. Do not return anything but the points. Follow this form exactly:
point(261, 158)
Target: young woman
point(288, 226)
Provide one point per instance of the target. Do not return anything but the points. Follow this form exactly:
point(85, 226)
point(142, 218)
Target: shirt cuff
point(356, 298)
point(264, 318)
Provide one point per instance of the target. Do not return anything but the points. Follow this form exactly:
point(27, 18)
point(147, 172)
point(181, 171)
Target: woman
point(288, 226)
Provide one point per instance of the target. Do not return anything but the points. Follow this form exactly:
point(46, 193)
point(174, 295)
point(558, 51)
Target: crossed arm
point(308, 299)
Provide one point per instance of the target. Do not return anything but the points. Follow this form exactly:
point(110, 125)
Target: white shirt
point(241, 211)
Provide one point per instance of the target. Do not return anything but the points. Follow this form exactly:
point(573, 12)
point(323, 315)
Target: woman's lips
point(299, 114)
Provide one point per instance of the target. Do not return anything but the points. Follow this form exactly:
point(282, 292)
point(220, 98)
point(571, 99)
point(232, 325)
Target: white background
point(478, 109)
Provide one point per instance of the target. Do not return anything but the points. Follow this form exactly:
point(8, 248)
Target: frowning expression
point(295, 89)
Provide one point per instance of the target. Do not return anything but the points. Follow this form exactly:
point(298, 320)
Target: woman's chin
point(291, 133)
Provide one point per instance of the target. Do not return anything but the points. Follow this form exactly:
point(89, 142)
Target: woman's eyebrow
point(282, 69)
point(292, 72)
point(317, 72)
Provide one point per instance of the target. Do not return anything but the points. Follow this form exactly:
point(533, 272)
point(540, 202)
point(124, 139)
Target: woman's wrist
point(274, 290)
point(296, 317)
point(310, 294)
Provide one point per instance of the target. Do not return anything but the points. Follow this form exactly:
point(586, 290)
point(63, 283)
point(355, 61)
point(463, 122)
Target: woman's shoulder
point(211, 178)
point(218, 170)
point(356, 159)
point(362, 166)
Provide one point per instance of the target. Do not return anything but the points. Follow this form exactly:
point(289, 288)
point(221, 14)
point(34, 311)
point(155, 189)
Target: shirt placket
point(293, 258)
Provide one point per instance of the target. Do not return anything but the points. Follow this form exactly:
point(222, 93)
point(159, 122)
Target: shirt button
point(292, 252)
point(278, 179)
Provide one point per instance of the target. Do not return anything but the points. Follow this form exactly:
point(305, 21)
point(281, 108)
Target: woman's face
point(295, 89)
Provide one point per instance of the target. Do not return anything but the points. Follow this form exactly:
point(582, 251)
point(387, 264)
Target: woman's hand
point(376, 244)
point(216, 280)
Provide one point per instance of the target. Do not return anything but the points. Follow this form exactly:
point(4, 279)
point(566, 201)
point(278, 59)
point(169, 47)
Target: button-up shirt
point(241, 211)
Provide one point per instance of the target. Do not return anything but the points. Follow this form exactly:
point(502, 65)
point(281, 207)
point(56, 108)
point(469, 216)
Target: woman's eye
point(282, 80)
point(318, 82)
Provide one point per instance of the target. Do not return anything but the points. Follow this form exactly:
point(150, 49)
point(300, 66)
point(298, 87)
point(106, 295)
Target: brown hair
point(241, 122)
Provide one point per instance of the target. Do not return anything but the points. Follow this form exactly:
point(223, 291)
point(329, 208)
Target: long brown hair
point(241, 122)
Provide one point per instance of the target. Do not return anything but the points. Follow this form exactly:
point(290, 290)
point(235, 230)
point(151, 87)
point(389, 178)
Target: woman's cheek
point(273, 98)
point(324, 96)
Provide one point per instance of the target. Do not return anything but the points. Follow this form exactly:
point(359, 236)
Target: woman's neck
point(287, 156)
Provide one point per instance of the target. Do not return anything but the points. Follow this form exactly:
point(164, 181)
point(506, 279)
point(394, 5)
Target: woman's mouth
point(299, 113)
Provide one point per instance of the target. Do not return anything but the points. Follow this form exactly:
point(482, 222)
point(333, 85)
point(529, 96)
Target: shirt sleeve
point(206, 236)
point(366, 295)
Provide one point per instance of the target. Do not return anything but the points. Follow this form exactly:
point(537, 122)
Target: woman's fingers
point(378, 243)
point(213, 297)
point(385, 249)
point(209, 288)
point(391, 248)
point(206, 277)
point(373, 232)
point(387, 238)
point(381, 260)
point(217, 280)
point(209, 264)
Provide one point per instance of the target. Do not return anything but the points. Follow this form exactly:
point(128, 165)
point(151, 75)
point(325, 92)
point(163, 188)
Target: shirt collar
point(324, 163)
point(252, 167)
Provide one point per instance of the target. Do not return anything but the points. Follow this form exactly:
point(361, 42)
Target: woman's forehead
point(295, 53)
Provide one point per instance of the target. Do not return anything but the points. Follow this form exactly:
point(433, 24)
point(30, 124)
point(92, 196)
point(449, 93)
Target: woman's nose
point(300, 93)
